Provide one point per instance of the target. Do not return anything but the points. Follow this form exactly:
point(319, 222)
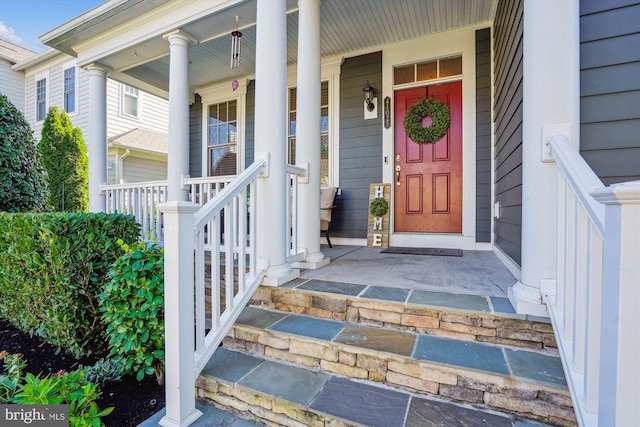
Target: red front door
point(428, 177)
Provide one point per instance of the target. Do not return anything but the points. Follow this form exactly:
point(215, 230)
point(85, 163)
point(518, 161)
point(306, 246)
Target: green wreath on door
point(440, 116)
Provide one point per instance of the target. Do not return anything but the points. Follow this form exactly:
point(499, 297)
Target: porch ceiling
point(346, 26)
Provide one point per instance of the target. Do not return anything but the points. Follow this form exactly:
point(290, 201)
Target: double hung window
point(324, 130)
point(222, 147)
point(41, 99)
point(70, 90)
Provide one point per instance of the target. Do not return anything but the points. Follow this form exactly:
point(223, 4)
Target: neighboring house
point(52, 78)
point(516, 76)
point(137, 155)
point(12, 81)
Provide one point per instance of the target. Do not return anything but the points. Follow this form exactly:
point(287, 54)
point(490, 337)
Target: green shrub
point(64, 156)
point(22, 178)
point(133, 310)
point(11, 379)
point(52, 269)
point(71, 388)
point(103, 371)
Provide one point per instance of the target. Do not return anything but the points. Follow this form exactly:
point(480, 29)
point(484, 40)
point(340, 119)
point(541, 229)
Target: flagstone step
point(460, 316)
point(280, 394)
point(518, 381)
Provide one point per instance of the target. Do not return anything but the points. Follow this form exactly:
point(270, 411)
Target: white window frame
point(329, 72)
point(65, 67)
point(124, 94)
point(327, 132)
point(216, 94)
point(39, 77)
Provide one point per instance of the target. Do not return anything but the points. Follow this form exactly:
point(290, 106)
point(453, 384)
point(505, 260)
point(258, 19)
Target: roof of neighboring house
point(14, 53)
point(140, 139)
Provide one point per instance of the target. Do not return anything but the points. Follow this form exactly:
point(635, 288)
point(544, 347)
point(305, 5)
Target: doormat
point(423, 251)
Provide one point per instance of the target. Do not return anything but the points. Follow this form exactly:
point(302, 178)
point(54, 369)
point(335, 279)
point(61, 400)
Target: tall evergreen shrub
point(64, 155)
point(23, 187)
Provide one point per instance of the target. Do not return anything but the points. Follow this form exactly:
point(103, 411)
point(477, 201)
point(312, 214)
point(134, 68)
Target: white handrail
point(580, 176)
point(225, 260)
point(583, 311)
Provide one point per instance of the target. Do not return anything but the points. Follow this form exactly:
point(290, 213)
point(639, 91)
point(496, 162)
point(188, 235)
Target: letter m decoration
point(378, 225)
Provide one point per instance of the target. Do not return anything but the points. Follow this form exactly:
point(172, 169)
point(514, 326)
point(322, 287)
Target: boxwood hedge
point(52, 269)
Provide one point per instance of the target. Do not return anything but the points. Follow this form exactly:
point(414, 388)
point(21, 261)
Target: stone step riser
point(458, 324)
point(267, 409)
point(481, 389)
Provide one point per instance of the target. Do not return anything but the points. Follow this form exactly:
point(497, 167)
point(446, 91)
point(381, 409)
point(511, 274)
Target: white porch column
point(620, 339)
point(550, 106)
point(308, 131)
point(271, 139)
point(97, 147)
point(178, 150)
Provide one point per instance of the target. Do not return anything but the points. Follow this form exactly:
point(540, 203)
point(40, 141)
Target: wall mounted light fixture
point(368, 96)
point(370, 102)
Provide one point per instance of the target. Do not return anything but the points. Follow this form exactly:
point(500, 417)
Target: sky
point(22, 21)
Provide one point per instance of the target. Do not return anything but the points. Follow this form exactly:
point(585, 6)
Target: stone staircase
point(321, 353)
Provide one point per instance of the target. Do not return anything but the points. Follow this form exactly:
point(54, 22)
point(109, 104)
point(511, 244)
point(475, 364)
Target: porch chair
point(327, 199)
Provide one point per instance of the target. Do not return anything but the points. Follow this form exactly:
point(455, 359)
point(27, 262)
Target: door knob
point(398, 174)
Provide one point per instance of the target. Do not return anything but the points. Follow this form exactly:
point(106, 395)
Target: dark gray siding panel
point(360, 145)
point(610, 88)
point(250, 123)
point(508, 28)
point(483, 135)
point(195, 138)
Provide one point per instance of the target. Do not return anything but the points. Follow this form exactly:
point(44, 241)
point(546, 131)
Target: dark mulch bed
point(134, 401)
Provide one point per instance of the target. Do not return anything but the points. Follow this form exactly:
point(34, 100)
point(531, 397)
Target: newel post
point(620, 340)
point(179, 317)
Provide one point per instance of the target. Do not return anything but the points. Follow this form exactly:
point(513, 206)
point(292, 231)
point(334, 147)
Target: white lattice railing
point(597, 266)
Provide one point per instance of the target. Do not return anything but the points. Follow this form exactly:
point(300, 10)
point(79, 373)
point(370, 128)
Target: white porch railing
point(294, 175)
point(598, 277)
point(140, 199)
point(215, 245)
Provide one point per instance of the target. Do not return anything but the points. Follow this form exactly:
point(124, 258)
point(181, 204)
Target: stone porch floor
point(474, 273)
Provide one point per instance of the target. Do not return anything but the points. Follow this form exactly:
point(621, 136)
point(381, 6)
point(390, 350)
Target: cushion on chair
point(327, 196)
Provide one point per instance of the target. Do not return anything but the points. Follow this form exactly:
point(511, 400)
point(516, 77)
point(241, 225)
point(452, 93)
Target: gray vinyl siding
point(195, 138)
point(360, 145)
point(153, 112)
point(139, 169)
point(610, 88)
point(250, 123)
point(483, 135)
point(508, 28)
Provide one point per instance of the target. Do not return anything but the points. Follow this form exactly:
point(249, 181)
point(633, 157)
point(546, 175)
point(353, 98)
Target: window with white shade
point(324, 130)
point(222, 146)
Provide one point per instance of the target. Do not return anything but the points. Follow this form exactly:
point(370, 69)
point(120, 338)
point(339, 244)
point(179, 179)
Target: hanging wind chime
point(236, 39)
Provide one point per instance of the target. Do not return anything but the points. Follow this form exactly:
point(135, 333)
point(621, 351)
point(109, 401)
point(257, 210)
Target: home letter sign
point(378, 224)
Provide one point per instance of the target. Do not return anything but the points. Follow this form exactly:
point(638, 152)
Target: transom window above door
point(222, 147)
point(427, 70)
